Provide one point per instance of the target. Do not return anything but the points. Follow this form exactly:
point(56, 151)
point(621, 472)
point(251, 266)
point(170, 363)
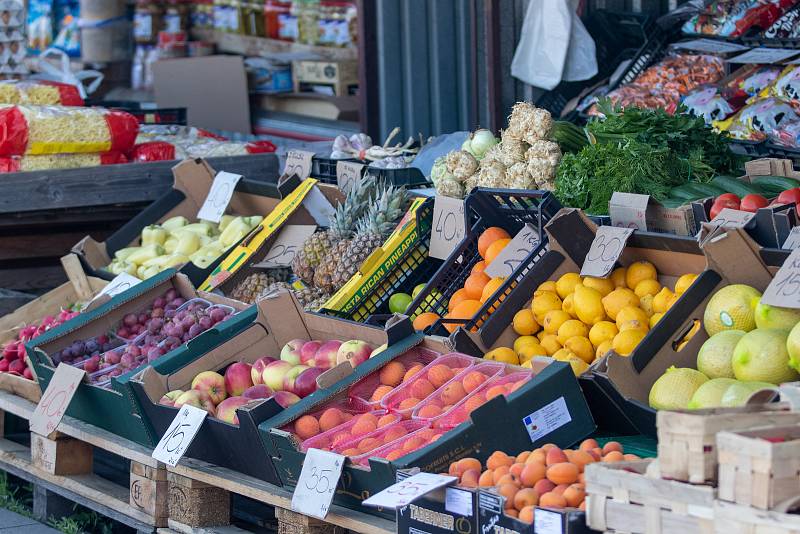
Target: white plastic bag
point(87, 81)
point(581, 62)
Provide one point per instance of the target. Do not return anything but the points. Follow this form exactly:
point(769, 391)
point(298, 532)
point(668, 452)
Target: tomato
point(790, 196)
point(721, 204)
point(752, 202)
point(728, 196)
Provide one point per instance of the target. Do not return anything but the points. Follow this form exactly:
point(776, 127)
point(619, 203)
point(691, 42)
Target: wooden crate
point(687, 448)
point(736, 519)
point(620, 497)
point(755, 471)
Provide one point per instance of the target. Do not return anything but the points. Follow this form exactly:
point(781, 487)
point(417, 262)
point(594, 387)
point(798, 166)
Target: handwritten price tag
point(56, 398)
point(347, 172)
point(298, 162)
point(514, 253)
point(285, 247)
point(730, 218)
point(449, 226)
point(317, 483)
point(784, 290)
point(179, 435)
point(219, 196)
point(793, 239)
point(608, 244)
point(402, 493)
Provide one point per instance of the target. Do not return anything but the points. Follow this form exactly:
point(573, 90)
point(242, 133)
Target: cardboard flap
point(95, 254)
point(283, 317)
point(735, 256)
point(571, 232)
point(193, 178)
point(333, 375)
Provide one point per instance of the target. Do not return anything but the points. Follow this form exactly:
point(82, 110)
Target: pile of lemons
point(579, 319)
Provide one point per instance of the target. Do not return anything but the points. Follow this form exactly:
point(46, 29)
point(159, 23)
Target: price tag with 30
point(608, 244)
point(404, 492)
point(298, 162)
point(219, 196)
point(179, 435)
point(56, 398)
point(513, 254)
point(784, 290)
point(317, 483)
point(449, 226)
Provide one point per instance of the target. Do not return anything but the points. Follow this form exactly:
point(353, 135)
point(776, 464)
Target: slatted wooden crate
point(732, 518)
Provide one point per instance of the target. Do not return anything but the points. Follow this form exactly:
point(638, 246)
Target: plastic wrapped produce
point(196, 148)
point(733, 18)
point(756, 81)
point(787, 85)
point(42, 92)
point(759, 120)
point(59, 161)
point(65, 130)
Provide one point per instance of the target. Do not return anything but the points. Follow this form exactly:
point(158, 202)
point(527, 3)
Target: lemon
point(524, 324)
point(635, 324)
point(550, 285)
point(618, 276)
point(655, 318)
point(626, 341)
point(684, 282)
point(731, 308)
point(550, 344)
point(603, 348)
point(646, 304)
point(521, 341)
point(672, 300)
point(631, 313)
point(761, 355)
point(602, 331)
point(661, 300)
point(638, 271)
point(554, 319)
point(502, 354)
point(588, 304)
point(582, 348)
point(563, 355)
point(543, 303)
point(674, 389)
point(529, 351)
point(566, 284)
point(647, 287)
point(569, 305)
point(618, 299)
point(603, 285)
point(570, 329)
point(527, 364)
point(578, 366)
point(540, 335)
point(714, 357)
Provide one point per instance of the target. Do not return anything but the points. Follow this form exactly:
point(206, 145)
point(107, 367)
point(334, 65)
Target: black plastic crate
point(324, 170)
point(650, 52)
point(506, 208)
point(147, 115)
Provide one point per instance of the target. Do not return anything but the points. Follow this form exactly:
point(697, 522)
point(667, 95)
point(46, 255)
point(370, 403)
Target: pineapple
point(250, 288)
point(343, 223)
point(273, 288)
point(310, 297)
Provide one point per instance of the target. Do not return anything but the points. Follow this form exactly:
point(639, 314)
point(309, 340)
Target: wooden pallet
point(60, 468)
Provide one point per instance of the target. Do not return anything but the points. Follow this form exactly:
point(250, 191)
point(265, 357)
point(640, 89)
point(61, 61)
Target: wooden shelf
point(258, 46)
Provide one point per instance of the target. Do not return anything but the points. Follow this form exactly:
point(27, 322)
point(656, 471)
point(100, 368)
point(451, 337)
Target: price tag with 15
point(317, 483)
point(219, 196)
point(514, 253)
point(793, 239)
point(55, 399)
point(608, 244)
point(179, 435)
point(784, 290)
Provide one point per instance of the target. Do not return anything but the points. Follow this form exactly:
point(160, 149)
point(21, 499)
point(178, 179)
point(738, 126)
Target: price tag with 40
point(449, 226)
point(55, 399)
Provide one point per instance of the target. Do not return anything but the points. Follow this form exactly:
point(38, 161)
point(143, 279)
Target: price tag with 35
point(608, 244)
point(347, 172)
point(317, 483)
point(407, 490)
point(784, 290)
point(219, 196)
point(286, 245)
point(179, 435)
point(449, 226)
point(514, 253)
point(298, 162)
point(56, 398)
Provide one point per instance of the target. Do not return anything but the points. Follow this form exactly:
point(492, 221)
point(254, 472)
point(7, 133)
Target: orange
point(464, 310)
point(489, 236)
point(475, 283)
point(495, 248)
point(491, 287)
point(478, 267)
point(424, 320)
point(457, 297)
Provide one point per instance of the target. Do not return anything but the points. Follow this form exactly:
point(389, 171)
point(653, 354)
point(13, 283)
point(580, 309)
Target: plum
point(130, 319)
point(160, 302)
point(217, 314)
point(206, 322)
point(195, 331)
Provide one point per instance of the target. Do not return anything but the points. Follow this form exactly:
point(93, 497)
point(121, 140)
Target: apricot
point(508, 478)
point(497, 459)
point(582, 506)
point(563, 473)
point(589, 444)
point(597, 452)
point(537, 456)
point(380, 392)
point(306, 427)
point(526, 497)
point(340, 438)
point(453, 392)
point(547, 446)
point(408, 403)
point(466, 464)
point(429, 411)
point(487, 479)
point(387, 419)
point(514, 386)
point(414, 369)
point(532, 473)
point(630, 457)
point(365, 424)
point(439, 374)
point(509, 491)
point(394, 433)
point(581, 458)
point(543, 486)
point(512, 512)
point(392, 374)
point(611, 446)
point(469, 478)
point(474, 403)
point(574, 495)
point(346, 416)
point(495, 391)
point(554, 455)
point(422, 388)
point(413, 443)
point(516, 469)
point(499, 472)
point(352, 451)
point(521, 457)
point(369, 444)
point(394, 455)
point(526, 514)
point(560, 489)
point(582, 479)
point(473, 380)
point(613, 456)
point(552, 500)
point(330, 418)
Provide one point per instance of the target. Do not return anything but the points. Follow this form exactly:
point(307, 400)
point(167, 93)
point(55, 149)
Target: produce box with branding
point(492, 518)
point(445, 510)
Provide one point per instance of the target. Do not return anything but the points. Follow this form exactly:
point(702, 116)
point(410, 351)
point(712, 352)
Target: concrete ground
point(11, 523)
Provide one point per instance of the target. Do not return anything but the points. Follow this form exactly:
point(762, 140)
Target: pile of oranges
point(548, 476)
point(478, 287)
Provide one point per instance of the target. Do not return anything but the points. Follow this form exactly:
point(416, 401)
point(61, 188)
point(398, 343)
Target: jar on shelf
point(147, 21)
point(308, 12)
point(279, 23)
point(176, 17)
point(337, 23)
point(253, 19)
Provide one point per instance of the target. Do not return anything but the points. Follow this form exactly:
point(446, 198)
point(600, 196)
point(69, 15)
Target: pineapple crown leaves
point(382, 217)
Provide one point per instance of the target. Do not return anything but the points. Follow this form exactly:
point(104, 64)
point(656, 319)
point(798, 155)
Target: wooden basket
point(687, 439)
point(736, 519)
point(754, 471)
point(622, 498)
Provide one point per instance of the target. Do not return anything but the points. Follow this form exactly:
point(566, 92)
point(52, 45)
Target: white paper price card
point(764, 55)
point(730, 218)
point(219, 196)
point(547, 522)
point(710, 46)
point(784, 290)
point(56, 398)
point(608, 244)
point(405, 491)
point(286, 245)
point(317, 483)
point(628, 210)
point(179, 435)
point(519, 248)
point(449, 226)
point(121, 282)
point(347, 172)
point(793, 239)
point(298, 162)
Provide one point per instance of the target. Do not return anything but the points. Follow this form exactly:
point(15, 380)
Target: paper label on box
point(404, 492)
point(317, 483)
point(318, 206)
point(547, 522)
point(784, 290)
point(628, 210)
point(793, 239)
point(286, 245)
point(55, 399)
point(298, 162)
point(121, 282)
point(608, 244)
point(458, 501)
point(730, 218)
point(764, 55)
point(449, 226)
point(710, 46)
point(219, 196)
point(546, 419)
point(179, 435)
point(347, 172)
point(514, 253)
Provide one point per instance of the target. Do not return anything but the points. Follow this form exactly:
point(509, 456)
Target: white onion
point(480, 142)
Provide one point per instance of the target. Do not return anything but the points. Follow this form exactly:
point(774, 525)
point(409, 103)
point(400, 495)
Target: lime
point(399, 302)
point(417, 289)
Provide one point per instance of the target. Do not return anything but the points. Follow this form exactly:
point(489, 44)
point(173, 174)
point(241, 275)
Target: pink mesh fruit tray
point(463, 388)
point(328, 416)
point(354, 429)
point(373, 387)
point(378, 438)
point(401, 446)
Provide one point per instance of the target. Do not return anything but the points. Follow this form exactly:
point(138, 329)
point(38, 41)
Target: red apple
point(285, 398)
point(227, 409)
point(354, 351)
point(212, 384)
point(170, 397)
point(3, 366)
point(259, 391)
point(258, 369)
point(306, 382)
point(238, 378)
point(17, 367)
point(27, 373)
point(291, 351)
point(196, 398)
point(325, 357)
point(273, 374)
point(308, 350)
point(291, 375)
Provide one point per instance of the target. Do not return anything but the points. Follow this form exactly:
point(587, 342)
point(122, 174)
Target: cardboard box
point(280, 319)
point(769, 227)
point(340, 76)
point(111, 409)
point(193, 179)
point(492, 520)
point(446, 510)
